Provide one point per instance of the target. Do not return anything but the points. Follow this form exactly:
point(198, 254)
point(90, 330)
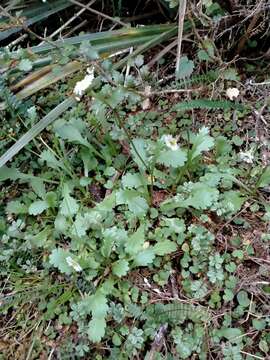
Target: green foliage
point(179, 313)
point(173, 158)
point(124, 228)
point(209, 77)
point(200, 142)
point(206, 104)
point(186, 68)
point(9, 99)
point(264, 180)
point(69, 205)
point(58, 259)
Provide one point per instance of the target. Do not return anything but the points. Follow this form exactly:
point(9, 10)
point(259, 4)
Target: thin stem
point(74, 17)
point(36, 129)
point(26, 28)
point(119, 22)
point(121, 125)
point(181, 18)
point(128, 135)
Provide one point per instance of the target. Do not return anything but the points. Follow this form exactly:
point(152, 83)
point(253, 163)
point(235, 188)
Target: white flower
point(232, 93)
point(84, 84)
point(146, 245)
point(146, 282)
point(146, 104)
point(170, 142)
point(247, 156)
point(72, 263)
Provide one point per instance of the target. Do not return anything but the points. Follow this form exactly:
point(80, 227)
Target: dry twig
point(181, 18)
point(87, 7)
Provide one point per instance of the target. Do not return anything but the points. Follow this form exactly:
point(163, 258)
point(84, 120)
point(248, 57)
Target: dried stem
point(119, 22)
point(181, 18)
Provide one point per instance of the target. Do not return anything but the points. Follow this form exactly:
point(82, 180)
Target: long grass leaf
point(37, 14)
point(48, 79)
point(104, 37)
point(70, 102)
point(36, 129)
point(147, 45)
point(45, 77)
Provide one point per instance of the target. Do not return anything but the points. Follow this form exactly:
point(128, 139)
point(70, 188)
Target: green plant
point(133, 218)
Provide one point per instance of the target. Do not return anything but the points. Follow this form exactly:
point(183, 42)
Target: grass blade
point(37, 14)
point(46, 80)
point(45, 77)
point(36, 129)
point(104, 37)
point(147, 45)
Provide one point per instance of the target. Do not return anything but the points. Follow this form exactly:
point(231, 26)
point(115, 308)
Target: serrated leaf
point(132, 181)
point(208, 51)
point(115, 235)
point(80, 226)
point(61, 223)
point(120, 268)
point(202, 196)
point(141, 160)
point(90, 162)
point(38, 187)
point(16, 207)
point(69, 205)
point(72, 134)
point(265, 178)
point(201, 142)
point(136, 204)
point(93, 218)
point(32, 113)
point(144, 257)
point(173, 158)
point(37, 207)
point(51, 160)
point(135, 241)
point(96, 329)
point(165, 247)
point(185, 69)
point(233, 199)
point(176, 225)
point(116, 97)
point(203, 55)
point(40, 239)
point(106, 247)
point(9, 173)
point(108, 286)
point(107, 204)
point(231, 74)
point(228, 295)
point(98, 305)
point(58, 260)
point(25, 65)
point(87, 50)
point(51, 199)
point(242, 298)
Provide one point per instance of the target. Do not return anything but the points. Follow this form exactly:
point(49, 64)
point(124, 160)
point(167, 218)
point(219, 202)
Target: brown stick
point(181, 18)
point(248, 33)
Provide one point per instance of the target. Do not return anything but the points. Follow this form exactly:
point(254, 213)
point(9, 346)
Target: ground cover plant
point(135, 180)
